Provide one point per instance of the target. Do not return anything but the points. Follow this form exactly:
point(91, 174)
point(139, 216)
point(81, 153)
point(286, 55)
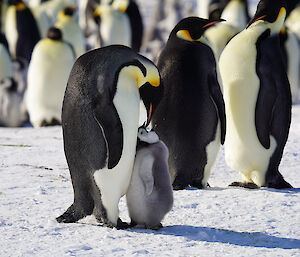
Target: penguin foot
point(157, 227)
point(179, 187)
point(120, 224)
point(198, 184)
point(53, 122)
point(248, 185)
point(71, 215)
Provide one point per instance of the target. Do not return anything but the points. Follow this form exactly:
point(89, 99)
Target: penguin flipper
point(216, 95)
point(147, 175)
point(108, 119)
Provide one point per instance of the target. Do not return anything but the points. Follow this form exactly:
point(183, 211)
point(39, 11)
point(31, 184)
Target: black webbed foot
point(71, 215)
point(248, 185)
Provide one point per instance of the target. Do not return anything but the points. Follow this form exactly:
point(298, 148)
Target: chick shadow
point(224, 236)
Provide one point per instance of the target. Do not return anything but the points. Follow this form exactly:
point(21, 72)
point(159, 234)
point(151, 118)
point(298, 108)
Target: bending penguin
point(257, 99)
point(150, 194)
point(190, 119)
point(51, 63)
point(100, 122)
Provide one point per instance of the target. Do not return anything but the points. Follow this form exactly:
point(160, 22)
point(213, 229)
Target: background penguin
point(190, 119)
point(290, 48)
point(48, 72)
point(293, 21)
point(257, 98)
point(150, 194)
point(236, 13)
point(71, 30)
point(114, 26)
point(6, 67)
point(100, 122)
point(3, 9)
point(135, 19)
point(21, 30)
point(11, 104)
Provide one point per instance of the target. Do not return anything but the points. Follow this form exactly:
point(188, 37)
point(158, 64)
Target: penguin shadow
point(283, 191)
point(224, 236)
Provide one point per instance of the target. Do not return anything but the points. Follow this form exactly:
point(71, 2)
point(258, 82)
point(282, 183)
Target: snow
point(35, 188)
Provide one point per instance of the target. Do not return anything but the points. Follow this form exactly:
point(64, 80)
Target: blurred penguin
point(3, 9)
point(291, 54)
point(293, 21)
point(236, 13)
point(21, 30)
point(11, 109)
point(114, 26)
point(6, 68)
point(71, 31)
point(48, 72)
point(136, 24)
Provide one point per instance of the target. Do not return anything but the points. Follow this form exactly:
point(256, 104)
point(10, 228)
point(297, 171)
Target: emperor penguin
point(190, 118)
point(150, 194)
point(131, 9)
point(290, 46)
point(6, 66)
point(236, 13)
point(72, 33)
point(257, 99)
point(21, 30)
point(11, 104)
point(114, 26)
point(48, 71)
point(100, 119)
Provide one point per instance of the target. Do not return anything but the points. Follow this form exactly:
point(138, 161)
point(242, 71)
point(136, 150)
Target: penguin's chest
point(127, 102)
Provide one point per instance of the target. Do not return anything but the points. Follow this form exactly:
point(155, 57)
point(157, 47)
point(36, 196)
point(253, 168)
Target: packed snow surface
point(219, 221)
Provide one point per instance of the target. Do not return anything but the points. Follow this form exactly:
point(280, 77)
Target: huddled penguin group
point(224, 78)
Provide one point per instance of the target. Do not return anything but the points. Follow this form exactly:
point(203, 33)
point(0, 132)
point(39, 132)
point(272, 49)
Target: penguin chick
point(150, 195)
point(11, 112)
point(48, 72)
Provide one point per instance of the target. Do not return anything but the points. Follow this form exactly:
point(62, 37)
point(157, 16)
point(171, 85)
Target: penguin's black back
point(136, 25)
point(28, 33)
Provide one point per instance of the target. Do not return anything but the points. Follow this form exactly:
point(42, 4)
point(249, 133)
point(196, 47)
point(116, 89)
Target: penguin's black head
point(145, 137)
point(192, 28)
point(69, 11)
point(54, 34)
point(269, 11)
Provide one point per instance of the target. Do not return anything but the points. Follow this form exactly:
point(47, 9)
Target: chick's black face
point(268, 10)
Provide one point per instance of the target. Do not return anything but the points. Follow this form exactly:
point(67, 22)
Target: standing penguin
point(114, 26)
point(136, 24)
point(236, 13)
point(100, 122)
point(21, 30)
point(52, 61)
point(257, 98)
point(150, 194)
point(190, 119)
point(72, 33)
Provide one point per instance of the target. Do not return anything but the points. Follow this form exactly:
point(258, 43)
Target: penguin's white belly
point(115, 29)
point(113, 183)
point(243, 150)
point(212, 150)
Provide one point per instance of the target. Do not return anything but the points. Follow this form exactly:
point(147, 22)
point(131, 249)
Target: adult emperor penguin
point(291, 52)
point(236, 13)
point(21, 30)
point(72, 33)
point(100, 122)
point(257, 98)
point(136, 24)
point(190, 119)
point(51, 63)
point(114, 26)
point(150, 195)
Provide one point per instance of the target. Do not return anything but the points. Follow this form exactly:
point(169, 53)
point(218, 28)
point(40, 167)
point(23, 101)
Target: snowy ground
point(220, 221)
